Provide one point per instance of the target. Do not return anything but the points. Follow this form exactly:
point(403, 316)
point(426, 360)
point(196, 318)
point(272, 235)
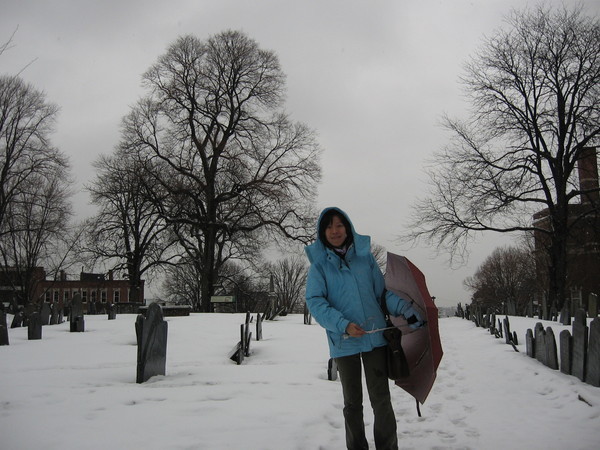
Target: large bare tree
point(229, 166)
point(535, 94)
point(128, 232)
point(26, 123)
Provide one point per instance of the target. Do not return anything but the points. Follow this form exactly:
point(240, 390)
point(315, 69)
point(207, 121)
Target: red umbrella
point(422, 346)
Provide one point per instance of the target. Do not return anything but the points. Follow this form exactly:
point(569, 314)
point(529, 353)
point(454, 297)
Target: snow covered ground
point(78, 391)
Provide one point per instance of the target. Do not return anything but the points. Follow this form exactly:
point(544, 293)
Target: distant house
point(96, 290)
point(583, 253)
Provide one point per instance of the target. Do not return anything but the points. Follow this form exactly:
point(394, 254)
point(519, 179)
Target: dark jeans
point(378, 387)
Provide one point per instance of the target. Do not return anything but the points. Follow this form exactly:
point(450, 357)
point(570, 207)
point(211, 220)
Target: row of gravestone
point(242, 348)
point(579, 351)
point(47, 315)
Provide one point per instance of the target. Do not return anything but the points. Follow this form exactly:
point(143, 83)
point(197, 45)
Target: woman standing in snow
point(343, 289)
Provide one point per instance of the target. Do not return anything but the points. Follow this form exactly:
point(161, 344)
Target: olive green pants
point(384, 428)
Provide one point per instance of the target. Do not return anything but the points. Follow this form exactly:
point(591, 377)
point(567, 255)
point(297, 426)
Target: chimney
point(587, 166)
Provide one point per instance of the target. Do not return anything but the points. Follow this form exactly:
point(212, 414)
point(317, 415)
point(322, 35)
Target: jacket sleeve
point(316, 299)
point(397, 306)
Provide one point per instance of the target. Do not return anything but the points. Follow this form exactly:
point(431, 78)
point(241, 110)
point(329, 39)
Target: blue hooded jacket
point(344, 290)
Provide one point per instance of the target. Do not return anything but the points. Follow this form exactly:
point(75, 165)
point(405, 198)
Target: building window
point(84, 295)
point(117, 295)
point(103, 295)
point(47, 296)
point(93, 296)
point(66, 296)
point(56, 296)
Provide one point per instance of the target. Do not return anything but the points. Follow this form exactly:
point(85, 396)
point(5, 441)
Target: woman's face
point(335, 233)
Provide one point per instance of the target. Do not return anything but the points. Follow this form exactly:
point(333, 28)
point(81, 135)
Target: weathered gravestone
point(529, 343)
point(151, 332)
point(551, 353)
point(3, 329)
point(45, 313)
point(580, 342)
point(77, 321)
point(56, 316)
point(308, 315)
point(540, 343)
point(506, 328)
point(34, 328)
point(259, 322)
point(112, 311)
point(17, 319)
point(247, 335)
point(332, 371)
point(565, 313)
point(566, 351)
point(592, 374)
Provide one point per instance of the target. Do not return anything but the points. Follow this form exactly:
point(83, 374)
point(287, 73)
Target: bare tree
point(128, 231)
point(289, 280)
point(26, 122)
point(505, 282)
point(228, 168)
point(535, 91)
point(36, 226)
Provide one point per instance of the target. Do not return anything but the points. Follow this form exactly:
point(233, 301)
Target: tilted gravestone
point(151, 332)
point(34, 328)
point(506, 328)
point(3, 329)
point(529, 343)
point(551, 354)
point(580, 342)
point(566, 351)
point(77, 321)
point(45, 313)
point(592, 375)
point(17, 319)
point(565, 313)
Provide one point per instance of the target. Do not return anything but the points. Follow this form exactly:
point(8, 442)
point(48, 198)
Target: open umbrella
point(422, 347)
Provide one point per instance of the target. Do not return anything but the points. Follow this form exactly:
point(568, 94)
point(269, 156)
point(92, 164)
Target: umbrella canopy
point(422, 346)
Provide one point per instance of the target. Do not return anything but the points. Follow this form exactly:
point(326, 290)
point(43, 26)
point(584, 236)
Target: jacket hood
point(317, 250)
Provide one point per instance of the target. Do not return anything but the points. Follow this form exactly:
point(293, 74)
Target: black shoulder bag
point(397, 366)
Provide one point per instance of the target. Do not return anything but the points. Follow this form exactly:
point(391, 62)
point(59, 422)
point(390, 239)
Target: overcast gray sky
point(372, 77)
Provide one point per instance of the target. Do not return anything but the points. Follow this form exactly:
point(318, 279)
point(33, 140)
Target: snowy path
point(78, 391)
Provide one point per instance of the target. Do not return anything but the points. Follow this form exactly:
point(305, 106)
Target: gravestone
point(592, 374)
point(551, 354)
point(259, 322)
point(17, 319)
point(3, 329)
point(77, 321)
point(580, 342)
point(45, 313)
point(593, 306)
point(112, 312)
point(529, 343)
point(34, 328)
point(506, 328)
point(540, 343)
point(565, 313)
point(308, 315)
point(566, 351)
point(332, 371)
point(151, 332)
point(56, 316)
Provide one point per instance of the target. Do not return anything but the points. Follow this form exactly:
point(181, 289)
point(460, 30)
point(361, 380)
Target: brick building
point(96, 290)
point(583, 245)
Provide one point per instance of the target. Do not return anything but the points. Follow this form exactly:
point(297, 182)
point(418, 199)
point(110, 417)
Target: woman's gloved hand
point(413, 318)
